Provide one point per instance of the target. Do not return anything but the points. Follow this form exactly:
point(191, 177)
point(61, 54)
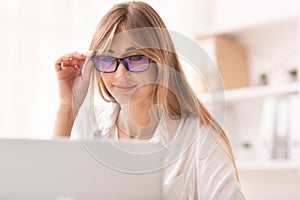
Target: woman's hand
point(73, 73)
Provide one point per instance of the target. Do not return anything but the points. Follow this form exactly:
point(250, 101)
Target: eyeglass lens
point(135, 63)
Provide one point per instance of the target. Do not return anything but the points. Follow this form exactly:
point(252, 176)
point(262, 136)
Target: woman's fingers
point(73, 59)
point(75, 63)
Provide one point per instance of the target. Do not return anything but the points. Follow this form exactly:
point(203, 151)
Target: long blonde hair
point(160, 49)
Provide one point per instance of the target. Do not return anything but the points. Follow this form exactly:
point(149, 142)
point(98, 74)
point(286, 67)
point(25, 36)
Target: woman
point(134, 65)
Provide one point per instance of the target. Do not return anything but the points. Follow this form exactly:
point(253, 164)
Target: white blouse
point(200, 167)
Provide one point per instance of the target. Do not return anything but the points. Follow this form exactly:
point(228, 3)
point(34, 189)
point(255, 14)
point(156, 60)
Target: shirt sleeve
point(215, 174)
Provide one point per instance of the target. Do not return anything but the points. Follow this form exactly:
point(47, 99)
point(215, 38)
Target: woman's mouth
point(123, 89)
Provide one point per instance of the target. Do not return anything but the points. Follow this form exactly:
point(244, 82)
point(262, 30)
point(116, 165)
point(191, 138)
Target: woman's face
point(125, 86)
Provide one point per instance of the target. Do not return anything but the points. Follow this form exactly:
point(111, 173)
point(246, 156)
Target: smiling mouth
point(123, 89)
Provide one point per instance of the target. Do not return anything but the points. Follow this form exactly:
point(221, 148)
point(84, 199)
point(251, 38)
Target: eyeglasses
point(134, 63)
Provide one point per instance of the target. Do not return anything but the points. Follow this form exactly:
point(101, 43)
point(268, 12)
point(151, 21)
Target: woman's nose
point(121, 70)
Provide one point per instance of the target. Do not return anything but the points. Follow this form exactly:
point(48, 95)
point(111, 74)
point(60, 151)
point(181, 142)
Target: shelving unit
point(256, 92)
point(273, 47)
point(268, 165)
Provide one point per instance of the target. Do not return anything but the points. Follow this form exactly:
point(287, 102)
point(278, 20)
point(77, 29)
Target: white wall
point(34, 33)
point(231, 12)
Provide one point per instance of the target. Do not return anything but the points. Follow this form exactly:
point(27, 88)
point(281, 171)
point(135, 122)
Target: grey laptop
point(72, 170)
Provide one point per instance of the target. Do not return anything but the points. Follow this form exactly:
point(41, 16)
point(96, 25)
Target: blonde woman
point(133, 64)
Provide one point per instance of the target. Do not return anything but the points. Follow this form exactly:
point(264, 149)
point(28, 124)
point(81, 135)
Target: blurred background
point(255, 45)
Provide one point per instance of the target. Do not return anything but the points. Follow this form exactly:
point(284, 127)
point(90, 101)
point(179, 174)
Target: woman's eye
point(107, 59)
point(135, 58)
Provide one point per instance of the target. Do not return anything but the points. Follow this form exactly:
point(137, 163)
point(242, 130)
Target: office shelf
point(254, 113)
point(268, 165)
point(249, 93)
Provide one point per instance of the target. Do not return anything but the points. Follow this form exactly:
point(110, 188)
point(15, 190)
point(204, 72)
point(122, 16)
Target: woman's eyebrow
point(128, 49)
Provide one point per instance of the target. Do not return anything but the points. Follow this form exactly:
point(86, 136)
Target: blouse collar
point(108, 125)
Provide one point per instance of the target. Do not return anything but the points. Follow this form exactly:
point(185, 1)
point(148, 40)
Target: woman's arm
point(64, 122)
point(73, 79)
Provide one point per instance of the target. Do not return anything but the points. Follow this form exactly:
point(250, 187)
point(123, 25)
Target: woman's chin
point(122, 98)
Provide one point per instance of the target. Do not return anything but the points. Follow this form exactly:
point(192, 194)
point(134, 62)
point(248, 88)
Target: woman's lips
point(123, 89)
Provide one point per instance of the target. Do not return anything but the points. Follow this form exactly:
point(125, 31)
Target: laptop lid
point(73, 169)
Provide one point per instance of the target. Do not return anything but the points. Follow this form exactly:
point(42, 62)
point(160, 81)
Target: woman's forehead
point(125, 42)
point(121, 44)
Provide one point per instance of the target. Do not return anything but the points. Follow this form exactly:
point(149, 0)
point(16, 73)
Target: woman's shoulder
point(187, 132)
point(105, 110)
point(191, 124)
point(206, 137)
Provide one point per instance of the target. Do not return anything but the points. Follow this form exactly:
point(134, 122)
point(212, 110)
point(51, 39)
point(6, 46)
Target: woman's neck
point(138, 120)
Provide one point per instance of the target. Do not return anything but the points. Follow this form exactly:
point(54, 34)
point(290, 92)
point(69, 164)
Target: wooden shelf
point(252, 92)
point(268, 165)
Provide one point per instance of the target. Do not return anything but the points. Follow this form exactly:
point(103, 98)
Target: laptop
point(63, 169)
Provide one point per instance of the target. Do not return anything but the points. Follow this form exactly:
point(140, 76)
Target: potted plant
point(245, 151)
point(293, 72)
point(263, 78)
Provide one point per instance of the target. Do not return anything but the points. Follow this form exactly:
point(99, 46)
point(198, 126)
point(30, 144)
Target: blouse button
point(97, 133)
